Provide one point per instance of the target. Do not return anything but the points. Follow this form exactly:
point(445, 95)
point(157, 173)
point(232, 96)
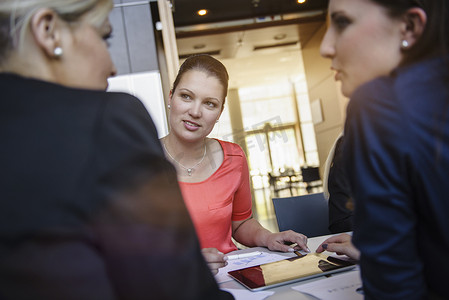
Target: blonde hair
point(15, 16)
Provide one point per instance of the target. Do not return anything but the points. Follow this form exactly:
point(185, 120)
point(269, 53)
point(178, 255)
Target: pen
point(244, 255)
point(303, 252)
point(298, 253)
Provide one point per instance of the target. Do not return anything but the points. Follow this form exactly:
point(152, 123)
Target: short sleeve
point(242, 207)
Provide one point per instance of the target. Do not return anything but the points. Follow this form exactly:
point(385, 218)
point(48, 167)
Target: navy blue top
point(396, 153)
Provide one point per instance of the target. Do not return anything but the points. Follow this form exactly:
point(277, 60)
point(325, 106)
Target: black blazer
point(341, 212)
point(89, 207)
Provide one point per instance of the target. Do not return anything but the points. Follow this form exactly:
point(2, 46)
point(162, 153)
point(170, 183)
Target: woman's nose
point(327, 47)
point(195, 110)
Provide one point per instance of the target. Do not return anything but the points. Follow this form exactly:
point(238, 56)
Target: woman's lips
point(191, 125)
point(337, 76)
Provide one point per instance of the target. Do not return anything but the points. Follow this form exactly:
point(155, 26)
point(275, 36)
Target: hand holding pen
point(214, 258)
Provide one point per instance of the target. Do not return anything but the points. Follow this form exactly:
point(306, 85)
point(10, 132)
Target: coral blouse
point(220, 199)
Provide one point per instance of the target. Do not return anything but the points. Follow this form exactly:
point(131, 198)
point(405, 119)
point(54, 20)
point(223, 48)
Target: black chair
point(311, 177)
point(306, 214)
point(282, 181)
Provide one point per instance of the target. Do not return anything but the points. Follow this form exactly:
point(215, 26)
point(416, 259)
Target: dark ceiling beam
point(194, 33)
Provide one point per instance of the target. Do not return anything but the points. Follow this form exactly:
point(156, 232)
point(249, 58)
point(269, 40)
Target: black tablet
point(290, 270)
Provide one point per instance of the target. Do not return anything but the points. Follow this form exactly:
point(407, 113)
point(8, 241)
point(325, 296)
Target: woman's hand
point(340, 244)
point(250, 233)
point(214, 258)
point(280, 241)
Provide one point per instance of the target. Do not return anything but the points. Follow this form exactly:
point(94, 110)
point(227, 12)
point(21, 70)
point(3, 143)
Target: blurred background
point(283, 107)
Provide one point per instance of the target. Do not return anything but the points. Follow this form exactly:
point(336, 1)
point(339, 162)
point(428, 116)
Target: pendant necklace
point(191, 169)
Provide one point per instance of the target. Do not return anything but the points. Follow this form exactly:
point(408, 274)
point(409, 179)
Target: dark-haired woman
point(396, 148)
point(213, 174)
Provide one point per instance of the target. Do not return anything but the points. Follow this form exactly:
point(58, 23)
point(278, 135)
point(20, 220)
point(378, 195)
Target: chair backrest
point(310, 174)
point(306, 214)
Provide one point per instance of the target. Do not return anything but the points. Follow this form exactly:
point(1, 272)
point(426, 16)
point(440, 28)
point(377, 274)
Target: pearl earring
point(58, 52)
point(169, 106)
point(404, 44)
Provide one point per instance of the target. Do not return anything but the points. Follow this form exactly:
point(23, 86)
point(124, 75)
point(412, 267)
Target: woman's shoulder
point(122, 112)
point(124, 106)
point(396, 89)
point(378, 89)
point(230, 149)
point(378, 99)
point(35, 89)
point(123, 100)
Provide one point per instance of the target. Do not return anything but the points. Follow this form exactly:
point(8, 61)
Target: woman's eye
point(211, 104)
point(341, 22)
point(185, 96)
point(107, 39)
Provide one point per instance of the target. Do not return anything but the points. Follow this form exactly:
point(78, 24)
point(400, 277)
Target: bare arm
point(250, 233)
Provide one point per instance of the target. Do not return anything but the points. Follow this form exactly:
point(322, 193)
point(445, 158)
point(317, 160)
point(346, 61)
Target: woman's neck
point(186, 154)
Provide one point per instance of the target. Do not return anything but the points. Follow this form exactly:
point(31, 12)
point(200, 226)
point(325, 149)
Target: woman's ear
point(415, 20)
point(46, 32)
point(170, 96)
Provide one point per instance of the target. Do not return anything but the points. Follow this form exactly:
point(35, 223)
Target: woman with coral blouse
point(213, 174)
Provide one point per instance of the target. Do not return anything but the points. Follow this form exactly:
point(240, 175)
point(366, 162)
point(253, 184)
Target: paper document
point(244, 255)
point(341, 286)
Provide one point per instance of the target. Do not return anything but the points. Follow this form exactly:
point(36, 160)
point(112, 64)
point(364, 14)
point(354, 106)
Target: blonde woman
point(90, 208)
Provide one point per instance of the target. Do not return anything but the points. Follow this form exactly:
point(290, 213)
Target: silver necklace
point(191, 169)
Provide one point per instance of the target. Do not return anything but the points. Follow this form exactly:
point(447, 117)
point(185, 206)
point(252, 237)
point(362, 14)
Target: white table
point(284, 292)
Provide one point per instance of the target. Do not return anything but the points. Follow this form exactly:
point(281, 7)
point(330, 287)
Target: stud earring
point(58, 52)
point(216, 121)
point(404, 44)
point(168, 106)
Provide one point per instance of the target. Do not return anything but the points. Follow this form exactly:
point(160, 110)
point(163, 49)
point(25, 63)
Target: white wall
point(321, 85)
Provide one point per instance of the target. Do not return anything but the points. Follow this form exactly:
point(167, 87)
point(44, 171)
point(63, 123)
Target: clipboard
point(290, 270)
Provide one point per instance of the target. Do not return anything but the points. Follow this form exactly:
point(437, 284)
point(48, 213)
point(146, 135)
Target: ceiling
point(184, 11)
point(257, 40)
